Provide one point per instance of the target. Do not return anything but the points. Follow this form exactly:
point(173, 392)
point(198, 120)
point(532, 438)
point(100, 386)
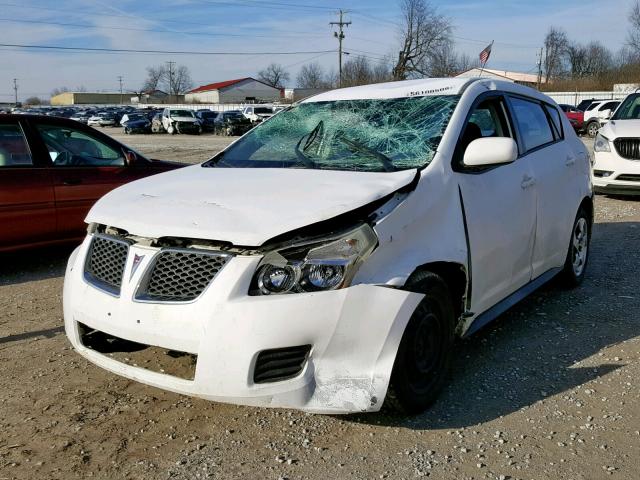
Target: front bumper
point(623, 176)
point(354, 334)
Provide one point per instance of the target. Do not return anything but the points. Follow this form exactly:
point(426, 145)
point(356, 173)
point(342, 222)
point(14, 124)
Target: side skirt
point(504, 305)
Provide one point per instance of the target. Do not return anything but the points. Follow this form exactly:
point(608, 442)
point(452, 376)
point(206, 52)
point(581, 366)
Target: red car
point(575, 116)
point(52, 170)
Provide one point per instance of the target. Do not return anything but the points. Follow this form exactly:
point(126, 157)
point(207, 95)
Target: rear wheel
point(575, 265)
point(424, 356)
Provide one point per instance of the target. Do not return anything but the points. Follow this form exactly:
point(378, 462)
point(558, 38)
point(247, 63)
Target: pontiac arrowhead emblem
point(137, 259)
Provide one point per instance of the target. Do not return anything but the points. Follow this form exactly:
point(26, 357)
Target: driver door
point(83, 169)
point(500, 209)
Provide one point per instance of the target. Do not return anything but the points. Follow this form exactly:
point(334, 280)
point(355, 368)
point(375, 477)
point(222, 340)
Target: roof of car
point(418, 88)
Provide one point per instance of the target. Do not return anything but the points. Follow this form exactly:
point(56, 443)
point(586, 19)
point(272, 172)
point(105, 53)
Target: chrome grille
point(105, 262)
point(628, 148)
point(180, 275)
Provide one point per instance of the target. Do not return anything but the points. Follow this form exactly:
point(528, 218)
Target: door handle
point(527, 181)
point(570, 160)
point(72, 181)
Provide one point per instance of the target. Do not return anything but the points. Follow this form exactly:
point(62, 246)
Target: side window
point(14, 151)
point(532, 123)
point(556, 122)
point(488, 119)
point(70, 147)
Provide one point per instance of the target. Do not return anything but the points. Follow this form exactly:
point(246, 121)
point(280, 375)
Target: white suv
point(616, 168)
point(597, 114)
point(327, 260)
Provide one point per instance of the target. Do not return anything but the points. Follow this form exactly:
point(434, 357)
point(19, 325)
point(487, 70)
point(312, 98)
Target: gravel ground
point(550, 390)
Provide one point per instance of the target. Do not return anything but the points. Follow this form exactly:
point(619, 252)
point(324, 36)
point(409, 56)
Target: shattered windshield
point(372, 135)
point(629, 110)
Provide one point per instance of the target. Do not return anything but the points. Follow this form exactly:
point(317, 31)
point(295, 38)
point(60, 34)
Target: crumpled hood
point(621, 128)
point(244, 206)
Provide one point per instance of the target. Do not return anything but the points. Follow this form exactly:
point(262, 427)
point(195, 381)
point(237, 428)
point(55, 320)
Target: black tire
point(423, 360)
point(575, 265)
point(592, 129)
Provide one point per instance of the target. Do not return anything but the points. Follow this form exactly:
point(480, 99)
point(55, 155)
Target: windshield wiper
point(387, 163)
point(311, 137)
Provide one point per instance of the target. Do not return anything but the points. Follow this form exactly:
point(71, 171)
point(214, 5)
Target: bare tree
point(588, 60)
point(555, 44)
point(59, 90)
point(34, 101)
point(155, 77)
point(633, 35)
point(274, 75)
point(311, 76)
point(173, 80)
point(179, 81)
point(360, 71)
point(423, 30)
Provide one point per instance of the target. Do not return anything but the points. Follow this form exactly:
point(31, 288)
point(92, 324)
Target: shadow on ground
point(531, 351)
point(36, 264)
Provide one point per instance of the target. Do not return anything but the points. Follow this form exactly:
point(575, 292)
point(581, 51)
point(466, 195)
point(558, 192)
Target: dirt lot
point(182, 148)
point(549, 391)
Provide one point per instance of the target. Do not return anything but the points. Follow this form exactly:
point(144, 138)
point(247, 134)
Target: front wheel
point(575, 265)
point(424, 356)
point(592, 129)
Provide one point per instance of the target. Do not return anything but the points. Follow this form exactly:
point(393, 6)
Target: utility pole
point(171, 64)
point(540, 67)
point(15, 89)
point(340, 36)
point(120, 81)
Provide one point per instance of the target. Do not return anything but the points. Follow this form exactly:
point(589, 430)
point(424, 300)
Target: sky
point(261, 28)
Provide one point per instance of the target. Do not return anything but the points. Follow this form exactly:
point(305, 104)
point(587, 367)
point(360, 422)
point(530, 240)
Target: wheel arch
point(455, 275)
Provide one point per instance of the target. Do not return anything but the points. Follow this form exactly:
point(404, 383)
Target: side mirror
point(130, 158)
point(606, 114)
point(490, 151)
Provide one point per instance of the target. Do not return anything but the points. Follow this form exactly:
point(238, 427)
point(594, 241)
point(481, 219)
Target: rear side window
point(14, 151)
point(532, 123)
point(556, 122)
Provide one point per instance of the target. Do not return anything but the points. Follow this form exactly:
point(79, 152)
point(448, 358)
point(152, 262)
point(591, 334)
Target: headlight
point(327, 265)
point(601, 144)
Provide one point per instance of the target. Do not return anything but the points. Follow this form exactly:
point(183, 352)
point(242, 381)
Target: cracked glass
point(372, 135)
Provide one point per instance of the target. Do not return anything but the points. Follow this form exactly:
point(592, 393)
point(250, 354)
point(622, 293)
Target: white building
point(528, 79)
point(241, 90)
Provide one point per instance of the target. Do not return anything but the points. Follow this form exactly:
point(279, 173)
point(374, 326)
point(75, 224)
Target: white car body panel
point(613, 162)
point(492, 220)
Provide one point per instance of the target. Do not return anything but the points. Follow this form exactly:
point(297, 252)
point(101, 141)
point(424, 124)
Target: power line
point(167, 52)
point(101, 27)
point(122, 15)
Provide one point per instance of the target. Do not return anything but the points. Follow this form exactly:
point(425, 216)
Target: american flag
point(484, 54)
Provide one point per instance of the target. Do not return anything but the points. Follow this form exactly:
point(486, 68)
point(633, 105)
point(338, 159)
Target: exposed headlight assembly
point(601, 144)
point(326, 265)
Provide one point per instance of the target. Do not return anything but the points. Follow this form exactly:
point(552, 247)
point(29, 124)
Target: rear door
point(554, 166)
point(27, 206)
point(85, 166)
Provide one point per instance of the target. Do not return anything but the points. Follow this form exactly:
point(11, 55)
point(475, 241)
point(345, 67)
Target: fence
point(217, 107)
